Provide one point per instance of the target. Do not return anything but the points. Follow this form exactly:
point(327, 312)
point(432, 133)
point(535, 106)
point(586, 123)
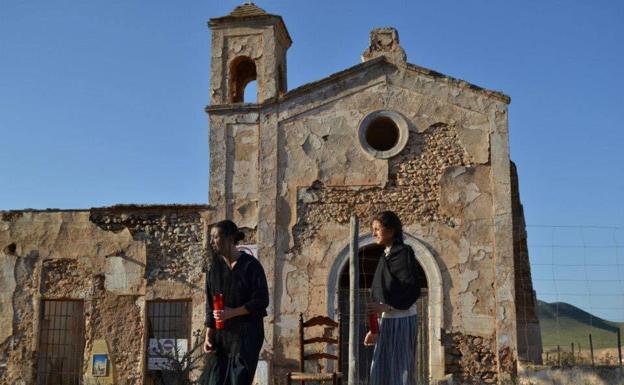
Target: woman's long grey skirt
point(394, 358)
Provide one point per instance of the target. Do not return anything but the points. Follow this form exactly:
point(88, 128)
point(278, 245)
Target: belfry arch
point(242, 72)
point(431, 269)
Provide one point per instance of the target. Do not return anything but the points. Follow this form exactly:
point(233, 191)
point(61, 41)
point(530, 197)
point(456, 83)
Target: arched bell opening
point(242, 72)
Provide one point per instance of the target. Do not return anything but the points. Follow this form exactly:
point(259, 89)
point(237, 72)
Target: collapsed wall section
point(111, 260)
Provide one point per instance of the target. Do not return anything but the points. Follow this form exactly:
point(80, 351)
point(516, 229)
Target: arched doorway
point(430, 352)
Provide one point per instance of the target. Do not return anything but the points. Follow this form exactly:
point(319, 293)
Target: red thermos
point(218, 305)
point(373, 323)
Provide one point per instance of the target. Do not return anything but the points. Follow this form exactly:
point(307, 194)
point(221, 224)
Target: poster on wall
point(162, 353)
point(249, 249)
point(99, 365)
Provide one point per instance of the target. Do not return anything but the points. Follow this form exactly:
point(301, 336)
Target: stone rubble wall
point(470, 359)
point(114, 260)
point(413, 188)
point(174, 240)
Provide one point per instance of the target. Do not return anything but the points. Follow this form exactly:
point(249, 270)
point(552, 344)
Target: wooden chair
point(332, 331)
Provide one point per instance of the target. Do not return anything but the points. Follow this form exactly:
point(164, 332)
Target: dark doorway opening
point(368, 257)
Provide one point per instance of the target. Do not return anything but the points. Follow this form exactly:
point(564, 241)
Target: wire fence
point(578, 275)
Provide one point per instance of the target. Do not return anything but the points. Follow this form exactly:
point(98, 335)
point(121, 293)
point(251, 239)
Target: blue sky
point(101, 102)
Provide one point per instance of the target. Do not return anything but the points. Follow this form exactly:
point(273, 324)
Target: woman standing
point(396, 287)
point(233, 349)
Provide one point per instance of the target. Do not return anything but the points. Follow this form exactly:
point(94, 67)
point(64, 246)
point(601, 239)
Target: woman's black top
point(238, 344)
point(398, 278)
point(243, 285)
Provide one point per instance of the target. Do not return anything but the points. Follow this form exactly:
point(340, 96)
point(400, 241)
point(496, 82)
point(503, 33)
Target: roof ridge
point(414, 67)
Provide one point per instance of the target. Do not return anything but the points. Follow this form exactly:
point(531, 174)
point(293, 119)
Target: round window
point(383, 134)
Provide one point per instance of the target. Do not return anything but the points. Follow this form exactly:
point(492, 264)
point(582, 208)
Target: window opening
point(251, 92)
point(61, 343)
point(382, 134)
point(169, 336)
point(242, 72)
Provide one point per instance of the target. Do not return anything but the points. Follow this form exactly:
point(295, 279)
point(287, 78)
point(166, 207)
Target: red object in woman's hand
point(218, 305)
point(373, 323)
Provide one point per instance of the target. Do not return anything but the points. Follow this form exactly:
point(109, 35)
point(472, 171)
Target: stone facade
point(290, 170)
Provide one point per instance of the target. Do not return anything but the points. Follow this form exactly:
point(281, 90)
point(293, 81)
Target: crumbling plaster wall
point(234, 166)
point(57, 255)
point(112, 259)
point(177, 252)
point(440, 185)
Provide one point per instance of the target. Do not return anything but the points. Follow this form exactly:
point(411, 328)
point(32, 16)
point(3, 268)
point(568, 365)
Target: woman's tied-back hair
point(229, 229)
point(390, 220)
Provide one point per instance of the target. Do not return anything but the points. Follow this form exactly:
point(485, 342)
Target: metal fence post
point(591, 349)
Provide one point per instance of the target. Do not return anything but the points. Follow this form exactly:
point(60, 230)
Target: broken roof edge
point(332, 77)
point(116, 207)
point(422, 70)
point(461, 83)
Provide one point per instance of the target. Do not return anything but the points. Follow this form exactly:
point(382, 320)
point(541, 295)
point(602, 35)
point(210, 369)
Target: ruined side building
point(290, 169)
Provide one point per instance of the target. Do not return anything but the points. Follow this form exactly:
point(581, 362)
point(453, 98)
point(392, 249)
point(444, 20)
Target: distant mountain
point(552, 310)
point(563, 324)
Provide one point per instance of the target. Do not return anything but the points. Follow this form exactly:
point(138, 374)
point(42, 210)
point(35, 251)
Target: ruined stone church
point(85, 293)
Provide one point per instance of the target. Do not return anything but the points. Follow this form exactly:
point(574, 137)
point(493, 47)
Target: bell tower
point(247, 45)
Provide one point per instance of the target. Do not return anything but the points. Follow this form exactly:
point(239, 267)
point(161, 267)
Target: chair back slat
point(320, 321)
point(320, 356)
point(315, 340)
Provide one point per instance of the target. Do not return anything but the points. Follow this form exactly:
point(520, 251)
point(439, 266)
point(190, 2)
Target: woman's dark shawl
point(398, 278)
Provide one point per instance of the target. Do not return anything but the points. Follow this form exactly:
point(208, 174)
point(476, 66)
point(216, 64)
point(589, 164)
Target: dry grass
point(571, 376)
point(604, 357)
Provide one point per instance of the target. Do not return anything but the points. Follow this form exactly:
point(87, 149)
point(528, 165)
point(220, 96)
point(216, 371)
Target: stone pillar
point(267, 218)
point(218, 158)
point(504, 290)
